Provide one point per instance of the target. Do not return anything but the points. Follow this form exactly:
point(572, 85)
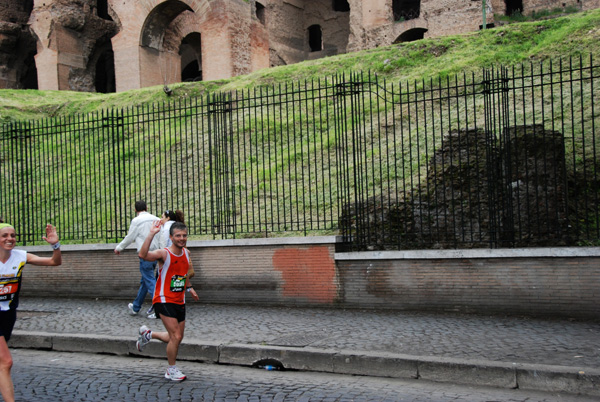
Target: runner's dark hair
point(177, 226)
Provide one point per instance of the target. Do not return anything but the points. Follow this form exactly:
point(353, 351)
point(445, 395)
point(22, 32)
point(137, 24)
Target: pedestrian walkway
point(546, 354)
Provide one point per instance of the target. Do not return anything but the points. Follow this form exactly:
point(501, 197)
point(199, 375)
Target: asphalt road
point(52, 376)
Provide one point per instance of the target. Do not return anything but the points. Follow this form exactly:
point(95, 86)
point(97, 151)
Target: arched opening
point(159, 58)
point(104, 81)
point(260, 12)
point(22, 53)
point(341, 5)
point(406, 9)
point(315, 38)
point(411, 35)
point(102, 10)
point(157, 22)
point(28, 79)
point(514, 7)
point(191, 57)
point(191, 72)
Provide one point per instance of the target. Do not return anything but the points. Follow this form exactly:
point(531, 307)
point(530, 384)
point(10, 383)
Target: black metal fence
point(505, 158)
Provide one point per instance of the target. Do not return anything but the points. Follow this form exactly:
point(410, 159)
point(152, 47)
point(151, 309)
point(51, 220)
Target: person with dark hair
point(168, 218)
point(174, 263)
point(11, 265)
point(138, 230)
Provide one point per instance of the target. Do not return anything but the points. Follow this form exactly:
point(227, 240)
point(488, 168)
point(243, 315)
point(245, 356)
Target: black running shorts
point(170, 310)
point(7, 323)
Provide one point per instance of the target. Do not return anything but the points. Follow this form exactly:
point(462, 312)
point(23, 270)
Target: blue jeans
point(147, 283)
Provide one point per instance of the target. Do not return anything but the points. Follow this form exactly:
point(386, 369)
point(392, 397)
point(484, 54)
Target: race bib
point(8, 290)
point(177, 283)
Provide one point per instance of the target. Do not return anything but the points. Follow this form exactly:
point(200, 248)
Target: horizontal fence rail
point(506, 158)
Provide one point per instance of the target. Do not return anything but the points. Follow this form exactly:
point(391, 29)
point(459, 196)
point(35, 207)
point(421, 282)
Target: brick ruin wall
point(14, 36)
point(110, 45)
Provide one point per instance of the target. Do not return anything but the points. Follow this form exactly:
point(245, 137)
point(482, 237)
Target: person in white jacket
point(138, 231)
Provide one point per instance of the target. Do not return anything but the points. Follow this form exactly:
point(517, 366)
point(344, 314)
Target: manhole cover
point(25, 314)
point(298, 340)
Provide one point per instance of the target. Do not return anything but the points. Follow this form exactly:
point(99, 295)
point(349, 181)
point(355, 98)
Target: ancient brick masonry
point(17, 45)
point(115, 45)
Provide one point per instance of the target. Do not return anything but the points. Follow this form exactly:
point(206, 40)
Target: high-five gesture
point(155, 228)
point(10, 279)
point(51, 235)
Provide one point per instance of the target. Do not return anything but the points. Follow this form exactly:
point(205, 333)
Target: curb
point(573, 380)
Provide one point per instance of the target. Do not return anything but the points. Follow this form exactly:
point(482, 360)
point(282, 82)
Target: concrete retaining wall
point(307, 271)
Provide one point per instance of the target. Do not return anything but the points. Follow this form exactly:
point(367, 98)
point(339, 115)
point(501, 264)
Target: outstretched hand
point(51, 235)
point(155, 228)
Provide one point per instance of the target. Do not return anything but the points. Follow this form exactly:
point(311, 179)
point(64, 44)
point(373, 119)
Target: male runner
point(169, 297)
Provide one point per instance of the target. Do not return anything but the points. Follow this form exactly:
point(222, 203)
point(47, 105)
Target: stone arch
point(197, 6)
point(158, 21)
point(411, 35)
point(160, 39)
point(182, 46)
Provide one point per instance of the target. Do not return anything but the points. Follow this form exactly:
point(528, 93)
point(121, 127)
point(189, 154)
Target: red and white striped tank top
point(170, 284)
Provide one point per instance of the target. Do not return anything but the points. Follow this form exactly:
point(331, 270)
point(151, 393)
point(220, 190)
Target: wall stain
point(308, 273)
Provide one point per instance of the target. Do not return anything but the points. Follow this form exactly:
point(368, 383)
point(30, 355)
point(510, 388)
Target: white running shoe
point(143, 338)
point(174, 374)
point(131, 310)
point(152, 316)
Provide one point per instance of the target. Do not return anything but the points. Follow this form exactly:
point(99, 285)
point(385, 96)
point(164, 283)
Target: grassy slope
point(573, 35)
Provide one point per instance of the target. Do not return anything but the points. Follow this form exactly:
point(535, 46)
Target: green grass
point(572, 35)
point(537, 14)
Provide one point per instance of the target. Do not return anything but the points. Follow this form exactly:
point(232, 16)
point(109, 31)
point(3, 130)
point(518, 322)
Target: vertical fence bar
point(594, 140)
point(27, 233)
point(490, 139)
point(507, 224)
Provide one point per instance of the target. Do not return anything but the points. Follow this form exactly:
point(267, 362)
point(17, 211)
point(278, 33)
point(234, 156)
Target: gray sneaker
point(143, 338)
